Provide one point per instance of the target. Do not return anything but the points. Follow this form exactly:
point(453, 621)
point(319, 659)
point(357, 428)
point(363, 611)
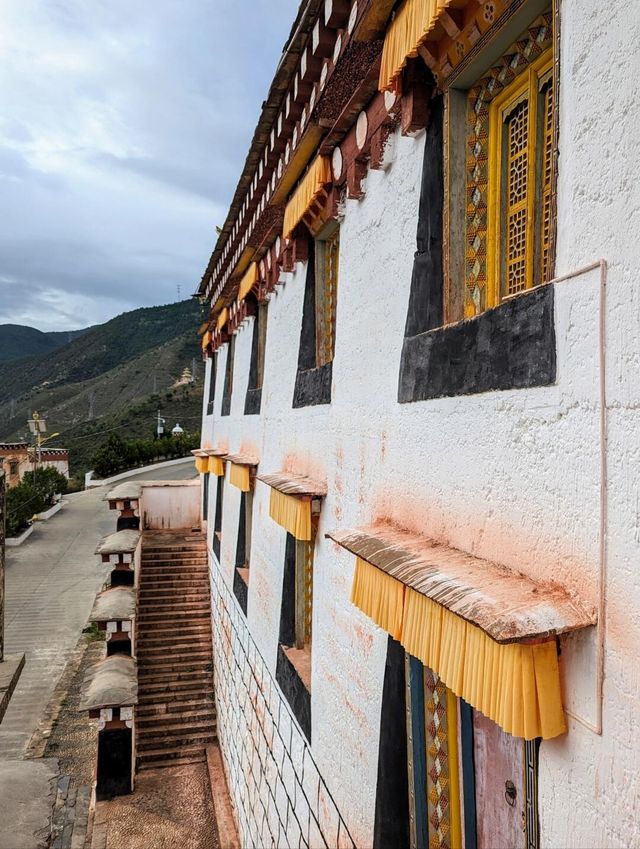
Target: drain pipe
point(596, 726)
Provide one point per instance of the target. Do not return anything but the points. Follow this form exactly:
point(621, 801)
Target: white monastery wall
point(512, 476)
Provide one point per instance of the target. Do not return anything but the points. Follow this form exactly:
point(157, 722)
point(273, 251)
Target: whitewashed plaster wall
point(511, 476)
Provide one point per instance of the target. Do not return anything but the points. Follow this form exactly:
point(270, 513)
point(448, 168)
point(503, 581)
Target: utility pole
point(12, 408)
point(155, 384)
point(160, 425)
point(38, 427)
point(193, 370)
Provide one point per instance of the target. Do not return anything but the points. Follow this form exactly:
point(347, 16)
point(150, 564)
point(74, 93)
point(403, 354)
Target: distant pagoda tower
point(185, 378)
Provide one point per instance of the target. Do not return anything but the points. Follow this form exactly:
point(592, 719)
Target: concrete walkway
point(51, 583)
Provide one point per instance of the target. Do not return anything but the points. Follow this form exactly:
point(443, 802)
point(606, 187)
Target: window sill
point(241, 587)
point(512, 346)
point(313, 386)
point(253, 402)
point(293, 674)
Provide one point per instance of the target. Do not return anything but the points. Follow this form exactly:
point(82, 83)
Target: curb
point(89, 482)
point(47, 514)
point(14, 542)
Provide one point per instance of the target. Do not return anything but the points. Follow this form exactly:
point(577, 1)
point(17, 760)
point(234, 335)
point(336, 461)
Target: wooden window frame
point(212, 384)
point(526, 85)
point(326, 292)
point(227, 394)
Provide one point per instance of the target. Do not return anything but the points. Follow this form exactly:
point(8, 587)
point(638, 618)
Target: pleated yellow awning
point(413, 24)
point(290, 501)
point(202, 465)
point(249, 280)
point(222, 319)
point(240, 471)
point(206, 340)
point(240, 476)
point(315, 180)
point(215, 466)
point(488, 633)
point(292, 513)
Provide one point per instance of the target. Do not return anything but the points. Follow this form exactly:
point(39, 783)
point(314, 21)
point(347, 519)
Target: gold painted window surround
point(509, 173)
point(327, 255)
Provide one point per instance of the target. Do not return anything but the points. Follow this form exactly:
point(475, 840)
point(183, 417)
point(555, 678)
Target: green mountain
point(114, 377)
point(18, 341)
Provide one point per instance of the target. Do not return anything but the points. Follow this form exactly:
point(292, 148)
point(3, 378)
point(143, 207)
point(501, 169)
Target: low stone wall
point(139, 470)
point(278, 794)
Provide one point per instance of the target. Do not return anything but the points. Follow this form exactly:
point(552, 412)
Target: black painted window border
point(293, 687)
point(212, 384)
point(228, 378)
point(253, 398)
point(313, 382)
point(243, 545)
point(217, 521)
point(511, 346)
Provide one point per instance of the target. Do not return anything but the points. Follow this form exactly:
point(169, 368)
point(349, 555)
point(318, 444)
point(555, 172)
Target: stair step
point(180, 713)
point(183, 726)
point(155, 637)
point(173, 650)
point(159, 679)
point(161, 763)
point(179, 688)
point(169, 742)
point(147, 665)
point(170, 753)
point(178, 617)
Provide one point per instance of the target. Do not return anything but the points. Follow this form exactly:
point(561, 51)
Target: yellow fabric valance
point(240, 476)
point(206, 340)
point(215, 467)
point(317, 177)
point(202, 464)
point(293, 514)
point(380, 596)
point(517, 685)
point(411, 26)
point(248, 281)
point(222, 319)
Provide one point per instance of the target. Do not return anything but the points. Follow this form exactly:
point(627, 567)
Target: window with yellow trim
point(520, 144)
point(509, 162)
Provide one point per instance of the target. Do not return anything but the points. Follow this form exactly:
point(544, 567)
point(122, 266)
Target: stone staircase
point(175, 716)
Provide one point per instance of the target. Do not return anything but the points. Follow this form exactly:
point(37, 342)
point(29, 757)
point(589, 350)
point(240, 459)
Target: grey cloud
point(129, 126)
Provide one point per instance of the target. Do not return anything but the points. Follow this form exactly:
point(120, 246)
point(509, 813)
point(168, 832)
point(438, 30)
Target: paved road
point(51, 582)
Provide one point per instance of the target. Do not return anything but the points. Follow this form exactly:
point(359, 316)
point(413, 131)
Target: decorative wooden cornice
point(288, 133)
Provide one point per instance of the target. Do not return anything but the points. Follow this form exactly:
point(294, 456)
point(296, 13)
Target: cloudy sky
point(123, 128)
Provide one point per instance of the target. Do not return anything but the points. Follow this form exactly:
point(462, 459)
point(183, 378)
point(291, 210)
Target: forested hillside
point(114, 376)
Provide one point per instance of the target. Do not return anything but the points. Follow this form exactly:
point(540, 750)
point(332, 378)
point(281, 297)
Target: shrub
point(22, 502)
point(49, 482)
point(118, 455)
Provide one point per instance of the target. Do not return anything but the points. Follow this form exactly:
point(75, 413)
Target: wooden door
point(500, 786)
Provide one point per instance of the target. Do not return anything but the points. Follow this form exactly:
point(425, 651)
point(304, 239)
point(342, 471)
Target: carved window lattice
point(304, 593)
point(547, 168)
point(517, 199)
point(478, 263)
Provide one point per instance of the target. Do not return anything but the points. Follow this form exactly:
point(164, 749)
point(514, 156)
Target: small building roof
point(127, 491)
point(122, 542)
point(114, 604)
point(508, 606)
point(111, 683)
point(292, 484)
point(242, 459)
